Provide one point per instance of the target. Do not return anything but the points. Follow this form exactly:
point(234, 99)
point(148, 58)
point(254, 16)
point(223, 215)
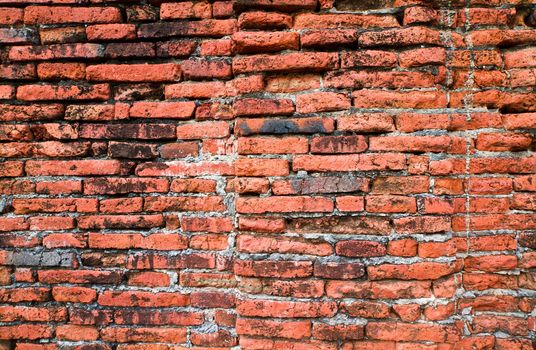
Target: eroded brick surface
point(267, 174)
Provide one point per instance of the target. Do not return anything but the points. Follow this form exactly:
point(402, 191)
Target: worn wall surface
point(267, 174)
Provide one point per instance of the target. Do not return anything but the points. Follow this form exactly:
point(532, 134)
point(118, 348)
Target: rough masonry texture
point(267, 174)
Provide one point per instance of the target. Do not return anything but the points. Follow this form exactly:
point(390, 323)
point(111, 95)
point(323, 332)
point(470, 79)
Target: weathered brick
point(267, 174)
point(99, 92)
point(181, 110)
point(208, 27)
point(279, 5)
point(62, 35)
point(321, 102)
point(307, 20)
point(291, 62)
point(328, 38)
point(65, 14)
point(246, 127)
point(264, 20)
point(110, 32)
point(254, 42)
point(134, 72)
point(185, 10)
point(58, 71)
point(401, 37)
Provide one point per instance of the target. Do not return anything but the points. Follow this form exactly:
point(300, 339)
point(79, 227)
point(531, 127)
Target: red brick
point(179, 150)
point(181, 110)
point(62, 35)
point(64, 14)
point(368, 79)
point(373, 122)
point(307, 20)
point(200, 69)
point(264, 20)
point(10, 15)
point(378, 289)
point(120, 221)
point(58, 71)
point(409, 332)
point(490, 263)
point(208, 27)
point(285, 309)
point(283, 205)
point(368, 58)
point(257, 107)
point(401, 37)
point(248, 185)
point(339, 144)
point(350, 162)
point(185, 10)
point(520, 58)
point(280, 329)
point(360, 248)
point(39, 205)
point(219, 338)
point(222, 47)
point(291, 62)
point(193, 186)
point(283, 269)
point(28, 331)
point(142, 299)
point(129, 334)
point(212, 300)
point(18, 36)
point(498, 142)
point(292, 83)
point(402, 247)
point(350, 203)
point(261, 167)
point(261, 224)
point(502, 165)
point(200, 90)
point(127, 50)
point(385, 99)
point(321, 102)
point(185, 168)
point(422, 224)
point(245, 127)
point(99, 92)
point(419, 14)
point(79, 276)
point(209, 203)
point(266, 145)
point(17, 71)
point(328, 38)
point(280, 5)
point(175, 48)
point(255, 42)
point(221, 9)
point(202, 130)
point(134, 72)
point(77, 333)
point(6, 92)
point(422, 57)
point(110, 32)
point(252, 244)
point(419, 271)
point(337, 332)
point(73, 167)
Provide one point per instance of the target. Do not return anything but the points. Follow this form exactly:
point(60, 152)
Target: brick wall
point(267, 174)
